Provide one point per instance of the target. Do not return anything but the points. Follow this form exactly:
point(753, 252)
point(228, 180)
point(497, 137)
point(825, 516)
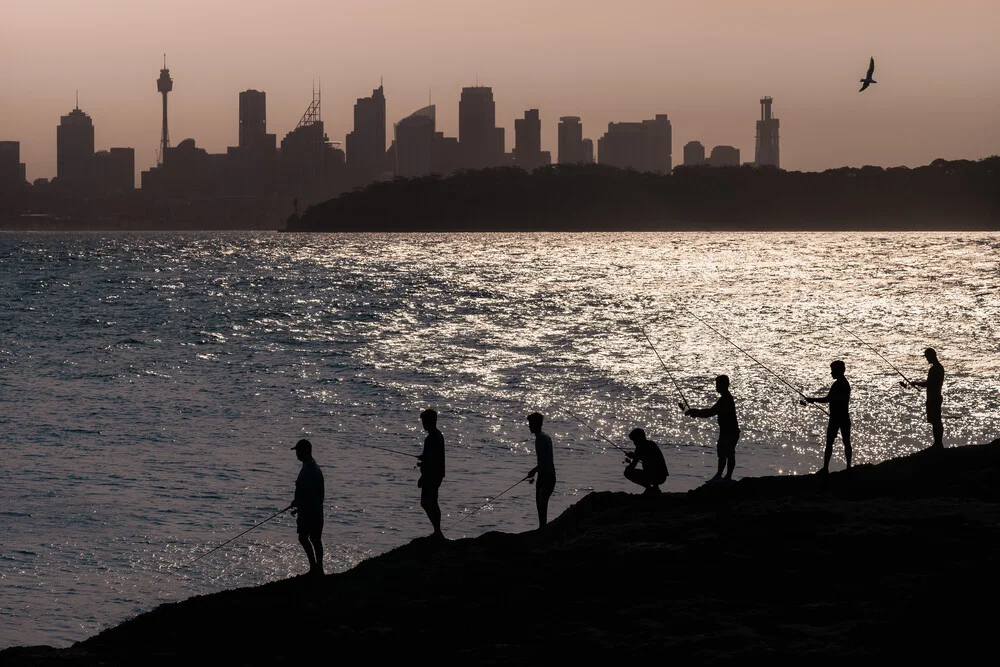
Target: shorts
point(309, 523)
point(429, 490)
point(727, 445)
point(545, 485)
point(934, 410)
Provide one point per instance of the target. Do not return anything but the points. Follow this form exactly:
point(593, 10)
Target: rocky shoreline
point(895, 561)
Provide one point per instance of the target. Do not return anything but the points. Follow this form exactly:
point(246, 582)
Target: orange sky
point(705, 63)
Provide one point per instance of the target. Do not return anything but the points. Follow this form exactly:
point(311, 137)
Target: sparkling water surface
point(152, 384)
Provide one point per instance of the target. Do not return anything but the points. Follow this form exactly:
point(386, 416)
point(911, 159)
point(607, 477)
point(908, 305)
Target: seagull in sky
point(868, 77)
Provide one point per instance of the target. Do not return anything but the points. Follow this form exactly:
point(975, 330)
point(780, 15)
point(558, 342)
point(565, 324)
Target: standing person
point(546, 469)
point(933, 384)
point(654, 468)
point(729, 428)
point(840, 419)
point(431, 462)
point(307, 506)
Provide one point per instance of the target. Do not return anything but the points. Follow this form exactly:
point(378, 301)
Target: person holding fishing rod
point(431, 464)
point(654, 468)
point(546, 468)
point(840, 420)
point(934, 384)
point(307, 506)
point(729, 428)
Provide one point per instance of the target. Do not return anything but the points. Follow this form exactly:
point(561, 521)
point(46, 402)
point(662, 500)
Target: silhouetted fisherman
point(431, 462)
point(307, 506)
point(933, 384)
point(546, 468)
point(654, 468)
point(729, 428)
point(840, 419)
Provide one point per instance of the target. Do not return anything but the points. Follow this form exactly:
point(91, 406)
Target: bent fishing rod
point(783, 381)
point(684, 405)
point(254, 527)
point(394, 451)
point(490, 501)
point(906, 381)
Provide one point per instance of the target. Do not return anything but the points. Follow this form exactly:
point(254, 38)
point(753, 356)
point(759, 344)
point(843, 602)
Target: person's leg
point(730, 462)
point(831, 435)
point(720, 450)
point(845, 434)
point(429, 501)
point(543, 489)
point(937, 427)
point(317, 544)
point(634, 475)
point(304, 541)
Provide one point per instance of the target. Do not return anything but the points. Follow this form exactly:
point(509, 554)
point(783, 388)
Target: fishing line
point(718, 333)
point(685, 404)
point(907, 382)
point(488, 502)
point(174, 572)
point(592, 429)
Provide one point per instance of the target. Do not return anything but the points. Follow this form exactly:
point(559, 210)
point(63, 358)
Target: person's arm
point(705, 412)
point(821, 399)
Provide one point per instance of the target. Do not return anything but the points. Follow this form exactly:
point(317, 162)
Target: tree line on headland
point(958, 194)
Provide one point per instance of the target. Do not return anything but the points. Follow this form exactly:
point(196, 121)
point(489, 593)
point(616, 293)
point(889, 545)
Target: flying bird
point(868, 77)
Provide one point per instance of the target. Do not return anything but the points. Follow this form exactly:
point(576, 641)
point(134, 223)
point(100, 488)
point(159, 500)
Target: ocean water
point(152, 384)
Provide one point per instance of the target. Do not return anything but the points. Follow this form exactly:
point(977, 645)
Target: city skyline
point(707, 79)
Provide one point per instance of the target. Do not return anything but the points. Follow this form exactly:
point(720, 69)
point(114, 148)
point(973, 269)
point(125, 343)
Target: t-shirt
point(725, 409)
point(309, 489)
point(432, 458)
point(935, 382)
point(543, 450)
point(648, 453)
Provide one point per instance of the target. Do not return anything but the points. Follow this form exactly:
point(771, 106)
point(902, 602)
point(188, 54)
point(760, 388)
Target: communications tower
point(766, 153)
point(164, 85)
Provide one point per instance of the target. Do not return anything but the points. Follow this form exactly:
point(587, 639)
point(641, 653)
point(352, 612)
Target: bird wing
point(871, 68)
point(864, 85)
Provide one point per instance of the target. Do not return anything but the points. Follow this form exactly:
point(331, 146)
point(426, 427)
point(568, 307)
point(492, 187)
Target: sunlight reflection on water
point(152, 384)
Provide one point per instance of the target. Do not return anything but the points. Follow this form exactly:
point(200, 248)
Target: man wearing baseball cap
point(307, 506)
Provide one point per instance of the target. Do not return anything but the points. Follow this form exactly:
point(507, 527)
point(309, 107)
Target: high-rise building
point(252, 166)
point(253, 118)
point(643, 146)
point(528, 153)
point(724, 156)
point(75, 151)
point(766, 153)
point(366, 144)
point(588, 151)
point(114, 171)
point(694, 154)
point(481, 140)
point(310, 168)
point(12, 176)
point(414, 140)
point(571, 149)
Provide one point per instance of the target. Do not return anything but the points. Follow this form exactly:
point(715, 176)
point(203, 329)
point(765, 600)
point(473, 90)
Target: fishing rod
point(394, 451)
point(592, 429)
point(254, 527)
point(718, 333)
point(684, 405)
point(488, 502)
point(905, 383)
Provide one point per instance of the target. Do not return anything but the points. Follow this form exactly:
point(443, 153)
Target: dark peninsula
point(895, 563)
point(945, 195)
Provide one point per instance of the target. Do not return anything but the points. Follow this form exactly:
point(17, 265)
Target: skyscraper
point(12, 177)
point(75, 151)
point(570, 140)
point(643, 146)
point(528, 152)
point(766, 153)
point(253, 118)
point(481, 140)
point(724, 156)
point(414, 139)
point(366, 144)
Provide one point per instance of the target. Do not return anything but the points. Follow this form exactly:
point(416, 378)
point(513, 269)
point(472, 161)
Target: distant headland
point(894, 562)
point(945, 195)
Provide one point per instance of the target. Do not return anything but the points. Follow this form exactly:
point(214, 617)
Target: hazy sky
point(705, 63)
